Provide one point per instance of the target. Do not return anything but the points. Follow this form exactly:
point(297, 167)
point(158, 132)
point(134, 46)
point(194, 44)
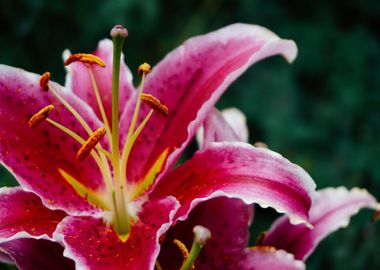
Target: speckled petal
point(239, 170)
point(34, 155)
point(331, 210)
point(22, 214)
point(32, 254)
point(190, 80)
point(79, 81)
point(92, 245)
point(227, 219)
point(270, 259)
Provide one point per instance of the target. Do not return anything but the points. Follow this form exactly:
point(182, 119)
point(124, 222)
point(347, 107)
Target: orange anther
point(85, 58)
point(44, 80)
point(90, 144)
point(144, 69)
point(40, 116)
point(155, 104)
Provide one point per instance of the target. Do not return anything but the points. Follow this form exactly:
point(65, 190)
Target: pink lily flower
point(99, 193)
point(284, 246)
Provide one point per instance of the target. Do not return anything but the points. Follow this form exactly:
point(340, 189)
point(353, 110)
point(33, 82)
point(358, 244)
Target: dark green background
point(322, 112)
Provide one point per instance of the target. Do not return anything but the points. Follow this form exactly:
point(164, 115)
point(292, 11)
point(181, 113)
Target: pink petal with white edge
point(228, 221)
point(216, 128)
point(4, 258)
point(22, 214)
point(190, 80)
point(270, 259)
point(239, 170)
point(331, 210)
point(93, 245)
point(237, 120)
point(79, 81)
point(32, 254)
point(34, 155)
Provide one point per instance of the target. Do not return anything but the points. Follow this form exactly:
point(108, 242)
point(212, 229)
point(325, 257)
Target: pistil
point(121, 216)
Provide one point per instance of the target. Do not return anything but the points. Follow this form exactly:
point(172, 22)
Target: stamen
point(143, 69)
point(44, 79)
point(201, 236)
point(85, 58)
point(91, 143)
point(155, 104)
point(40, 116)
point(185, 253)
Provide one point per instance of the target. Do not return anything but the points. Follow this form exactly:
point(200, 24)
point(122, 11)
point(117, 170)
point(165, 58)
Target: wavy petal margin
point(331, 210)
point(32, 254)
point(44, 149)
point(269, 259)
point(93, 245)
point(22, 214)
point(190, 80)
point(239, 170)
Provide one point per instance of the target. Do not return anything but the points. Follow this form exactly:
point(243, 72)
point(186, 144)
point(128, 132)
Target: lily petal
point(239, 170)
point(93, 245)
point(79, 81)
point(4, 257)
point(331, 210)
point(220, 126)
point(229, 234)
point(34, 155)
point(269, 259)
point(22, 214)
point(190, 80)
point(32, 254)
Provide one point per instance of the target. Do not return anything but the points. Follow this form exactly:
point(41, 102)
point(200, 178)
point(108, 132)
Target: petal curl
point(79, 81)
point(22, 214)
point(93, 245)
point(227, 219)
point(32, 254)
point(229, 125)
point(239, 170)
point(34, 155)
point(269, 259)
point(331, 210)
point(190, 80)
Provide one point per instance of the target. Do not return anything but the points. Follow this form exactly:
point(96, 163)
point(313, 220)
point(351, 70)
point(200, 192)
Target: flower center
point(116, 198)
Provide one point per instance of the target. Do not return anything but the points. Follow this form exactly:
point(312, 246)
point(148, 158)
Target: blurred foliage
point(322, 112)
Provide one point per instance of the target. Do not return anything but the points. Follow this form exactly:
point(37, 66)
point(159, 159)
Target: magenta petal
point(331, 210)
point(227, 219)
point(239, 170)
point(34, 155)
point(191, 79)
point(32, 254)
point(79, 81)
point(4, 257)
point(23, 215)
point(92, 245)
point(270, 259)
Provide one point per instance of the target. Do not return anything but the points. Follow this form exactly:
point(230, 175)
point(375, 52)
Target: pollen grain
point(44, 80)
point(90, 144)
point(85, 58)
point(155, 104)
point(40, 116)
